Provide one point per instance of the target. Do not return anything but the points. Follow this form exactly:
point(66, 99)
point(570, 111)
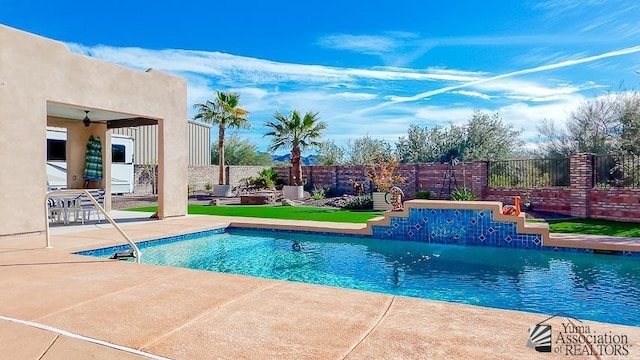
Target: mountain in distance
point(306, 160)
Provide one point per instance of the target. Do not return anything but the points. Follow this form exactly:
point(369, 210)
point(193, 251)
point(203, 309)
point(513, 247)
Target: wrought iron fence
point(529, 173)
point(616, 171)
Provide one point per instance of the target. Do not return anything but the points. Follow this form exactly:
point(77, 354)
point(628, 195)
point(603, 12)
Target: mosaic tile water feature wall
point(456, 226)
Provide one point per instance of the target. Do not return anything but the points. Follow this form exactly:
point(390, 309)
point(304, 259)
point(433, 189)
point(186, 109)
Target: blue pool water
point(586, 286)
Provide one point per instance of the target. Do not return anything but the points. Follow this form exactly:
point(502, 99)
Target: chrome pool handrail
point(97, 205)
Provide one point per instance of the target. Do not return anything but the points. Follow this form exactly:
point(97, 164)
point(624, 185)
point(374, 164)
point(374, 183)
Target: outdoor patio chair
point(87, 207)
point(55, 210)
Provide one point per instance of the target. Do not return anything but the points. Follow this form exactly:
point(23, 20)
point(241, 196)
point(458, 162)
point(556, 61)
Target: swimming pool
point(587, 286)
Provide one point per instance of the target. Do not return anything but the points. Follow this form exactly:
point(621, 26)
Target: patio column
point(106, 166)
point(173, 163)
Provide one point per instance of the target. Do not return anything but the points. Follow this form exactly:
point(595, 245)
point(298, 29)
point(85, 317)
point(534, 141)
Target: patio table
point(65, 203)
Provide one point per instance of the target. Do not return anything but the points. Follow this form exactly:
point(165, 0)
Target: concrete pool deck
point(189, 314)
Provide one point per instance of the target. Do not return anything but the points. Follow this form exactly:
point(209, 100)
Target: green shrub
point(423, 194)
point(463, 194)
point(359, 203)
point(319, 193)
point(208, 186)
point(266, 179)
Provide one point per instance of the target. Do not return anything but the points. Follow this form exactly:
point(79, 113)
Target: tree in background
point(488, 138)
point(224, 111)
point(415, 147)
point(555, 141)
point(630, 121)
point(423, 145)
point(362, 151)
point(297, 133)
point(484, 137)
point(606, 124)
point(330, 154)
point(238, 151)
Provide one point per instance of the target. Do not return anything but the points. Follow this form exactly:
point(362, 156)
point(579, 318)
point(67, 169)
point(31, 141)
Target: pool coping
point(589, 243)
point(286, 229)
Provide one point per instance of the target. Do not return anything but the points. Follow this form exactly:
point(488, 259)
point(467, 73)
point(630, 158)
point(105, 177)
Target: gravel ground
point(337, 202)
point(119, 202)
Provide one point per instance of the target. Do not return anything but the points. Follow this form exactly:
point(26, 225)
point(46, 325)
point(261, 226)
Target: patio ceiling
point(111, 118)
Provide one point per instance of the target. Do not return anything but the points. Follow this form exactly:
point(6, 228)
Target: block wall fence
point(579, 199)
point(198, 176)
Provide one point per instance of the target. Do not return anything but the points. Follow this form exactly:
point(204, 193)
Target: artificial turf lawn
point(279, 212)
point(575, 226)
point(595, 227)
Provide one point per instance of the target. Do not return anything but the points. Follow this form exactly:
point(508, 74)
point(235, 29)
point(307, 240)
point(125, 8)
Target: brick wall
point(418, 177)
point(556, 199)
point(579, 199)
point(201, 175)
point(614, 204)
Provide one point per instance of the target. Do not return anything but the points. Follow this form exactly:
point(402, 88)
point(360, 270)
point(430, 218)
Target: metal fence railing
point(529, 173)
point(616, 171)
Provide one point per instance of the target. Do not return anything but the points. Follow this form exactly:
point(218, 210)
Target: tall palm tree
point(297, 133)
point(225, 112)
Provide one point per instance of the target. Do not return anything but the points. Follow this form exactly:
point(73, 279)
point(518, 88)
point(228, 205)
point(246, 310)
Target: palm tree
point(297, 133)
point(225, 112)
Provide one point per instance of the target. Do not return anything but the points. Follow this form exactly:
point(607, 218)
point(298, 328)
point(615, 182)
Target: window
point(118, 154)
point(56, 150)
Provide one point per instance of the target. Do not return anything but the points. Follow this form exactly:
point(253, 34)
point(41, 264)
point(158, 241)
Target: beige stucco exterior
point(36, 71)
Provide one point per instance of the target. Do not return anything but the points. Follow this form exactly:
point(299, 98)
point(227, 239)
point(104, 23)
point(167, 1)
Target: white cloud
point(530, 91)
point(401, 48)
point(354, 96)
point(253, 92)
point(593, 19)
point(366, 44)
point(338, 94)
point(566, 5)
point(393, 100)
point(231, 69)
point(528, 116)
point(443, 115)
point(440, 73)
point(472, 94)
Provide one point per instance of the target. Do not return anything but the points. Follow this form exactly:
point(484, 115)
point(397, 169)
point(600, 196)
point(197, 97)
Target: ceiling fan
point(86, 121)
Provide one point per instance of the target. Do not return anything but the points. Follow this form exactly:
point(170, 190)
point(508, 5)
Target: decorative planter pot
point(222, 190)
point(292, 192)
point(379, 202)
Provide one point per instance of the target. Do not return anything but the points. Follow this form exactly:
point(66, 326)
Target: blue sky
point(369, 68)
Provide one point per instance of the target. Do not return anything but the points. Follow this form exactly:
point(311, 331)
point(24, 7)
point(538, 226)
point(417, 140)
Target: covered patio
point(81, 125)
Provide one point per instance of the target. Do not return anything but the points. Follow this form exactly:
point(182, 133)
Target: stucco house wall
point(35, 71)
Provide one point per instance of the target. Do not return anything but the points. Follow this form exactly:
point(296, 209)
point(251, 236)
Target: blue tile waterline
point(588, 286)
point(101, 252)
point(456, 226)
point(142, 244)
